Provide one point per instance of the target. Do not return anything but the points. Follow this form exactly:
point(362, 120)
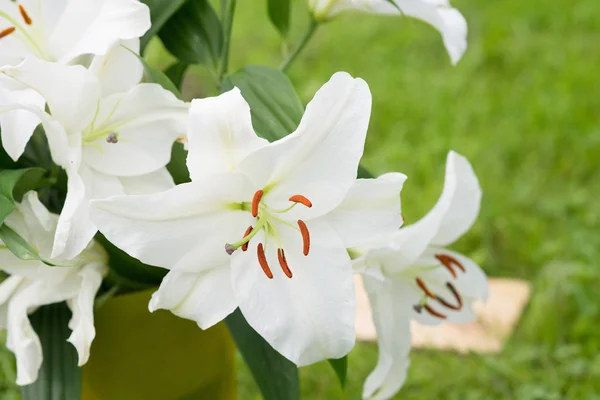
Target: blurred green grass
point(523, 105)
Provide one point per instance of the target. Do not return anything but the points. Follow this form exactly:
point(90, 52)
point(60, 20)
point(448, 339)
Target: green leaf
point(176, 72)
point(14, 184)
point(177, 166)
point(340, 366)
point(152, 75)
point(279, 13)
point(59, 377)
point(160, 12)
point(194, 34)
point(276, 108)
point(19, 247)
point(276, 376)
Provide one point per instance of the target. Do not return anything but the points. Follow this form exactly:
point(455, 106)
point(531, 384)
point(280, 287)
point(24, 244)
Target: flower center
point(267, 221)
point(23, 32)
point(449, 263)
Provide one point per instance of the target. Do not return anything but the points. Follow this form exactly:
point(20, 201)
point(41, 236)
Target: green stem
point(312, 27)
point(228, 13)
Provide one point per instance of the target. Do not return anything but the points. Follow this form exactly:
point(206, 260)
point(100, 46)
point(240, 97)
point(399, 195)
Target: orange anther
point(25, 16)
point(305, 237)
point(448, 262)
point(245, 245)
point(262, 260)
point(433, 312)
point(298, 198)
point(255, 202)
point(425, 289)
point(283, 263)
point(7, 31)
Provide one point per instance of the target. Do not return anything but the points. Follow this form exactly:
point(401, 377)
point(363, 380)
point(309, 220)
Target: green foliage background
point(523, 105)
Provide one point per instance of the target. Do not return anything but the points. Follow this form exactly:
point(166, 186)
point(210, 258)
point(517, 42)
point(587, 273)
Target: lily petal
point(18, 125)
point(220, 134)
point(155, 182)
point(458, 206)
point(306, 318)
point(391, 316)
point(71, 92)
point(93, 27)
point(119, 70)
point(205, 297)
point(75, 228)
point(453, 214)
point(439, 14)
point(21, 338)
point(161, 229)
point(371, 209)
point(319, 160)
point(82, 307)
point(146, 120)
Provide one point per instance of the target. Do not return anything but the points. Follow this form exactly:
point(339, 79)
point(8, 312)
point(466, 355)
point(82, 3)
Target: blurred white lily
point(265, 226)
point(105, 143)
point(61, 31)
point(412, 275)
point(437, 13)
point(32, 284)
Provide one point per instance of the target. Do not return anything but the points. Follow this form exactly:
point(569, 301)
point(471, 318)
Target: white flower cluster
point(277, 229)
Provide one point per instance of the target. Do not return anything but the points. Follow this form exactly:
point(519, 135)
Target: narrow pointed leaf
point(59, 377)
point(194, 34)
point(160, 12)
point(340, 366)
point(19, 247)
point(279, 13)
point(276, 376)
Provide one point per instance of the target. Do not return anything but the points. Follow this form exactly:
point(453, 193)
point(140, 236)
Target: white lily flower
point(61, 31)
point(103, 142)
point(412, 275)
point(32, 284)
point(265, 226)
point(437, 13)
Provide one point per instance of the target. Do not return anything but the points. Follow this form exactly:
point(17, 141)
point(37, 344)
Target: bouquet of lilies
point(246, 200)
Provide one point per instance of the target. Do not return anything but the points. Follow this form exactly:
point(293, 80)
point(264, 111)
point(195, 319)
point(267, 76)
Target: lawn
point(523, 105)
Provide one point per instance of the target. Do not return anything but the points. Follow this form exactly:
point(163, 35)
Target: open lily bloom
point(103, 142)
point(265, 226)
point(412, 275)
point(60, 31)
point(437, 13)
point(32, 284)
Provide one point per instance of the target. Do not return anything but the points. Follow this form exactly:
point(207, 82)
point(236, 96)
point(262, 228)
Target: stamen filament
point(256, 201)
point(262, 260)
point(283, 263)
point(246, 239)
point(298, 198)
point(28, 37)
point(305, 237)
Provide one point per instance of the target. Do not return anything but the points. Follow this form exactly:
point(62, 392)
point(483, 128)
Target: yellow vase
point(142, 356)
